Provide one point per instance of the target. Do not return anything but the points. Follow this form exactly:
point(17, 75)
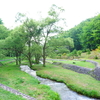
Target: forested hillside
point(86, 35)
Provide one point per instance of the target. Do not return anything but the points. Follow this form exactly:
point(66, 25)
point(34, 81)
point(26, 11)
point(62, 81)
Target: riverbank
point(81, 83)
point(64, 92)
point(13, 77)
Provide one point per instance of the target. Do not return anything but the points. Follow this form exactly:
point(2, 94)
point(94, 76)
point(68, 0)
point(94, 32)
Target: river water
point(64, 92)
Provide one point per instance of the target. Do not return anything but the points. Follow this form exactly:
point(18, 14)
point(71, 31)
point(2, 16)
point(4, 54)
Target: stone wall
point(93, 62)
point(96, 73)
point(77, 68)
point(93, 72)
point(74, 68)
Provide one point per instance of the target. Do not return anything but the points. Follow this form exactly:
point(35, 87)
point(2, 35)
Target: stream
point(64, 92)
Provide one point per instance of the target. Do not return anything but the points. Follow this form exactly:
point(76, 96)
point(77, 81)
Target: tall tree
point(50, 25)
point(31, 28)
point(15, 43)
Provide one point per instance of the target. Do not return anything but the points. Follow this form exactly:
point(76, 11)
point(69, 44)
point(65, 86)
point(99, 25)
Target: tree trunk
point(19, 60)
point(37, 58)
point(30, 62)
point(16, 60)
point(44, 55)
point(29, 54)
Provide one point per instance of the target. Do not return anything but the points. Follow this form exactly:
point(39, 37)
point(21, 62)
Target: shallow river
point(64, 92)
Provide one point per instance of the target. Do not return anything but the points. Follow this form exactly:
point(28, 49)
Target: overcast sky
point(75, 10)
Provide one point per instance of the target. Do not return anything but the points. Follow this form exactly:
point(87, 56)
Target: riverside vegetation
point(81, 83)
point(10, 75)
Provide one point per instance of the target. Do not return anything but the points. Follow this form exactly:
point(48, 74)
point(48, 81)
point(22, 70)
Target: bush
point(88, 51)
point(79, 53)
point(95, 57)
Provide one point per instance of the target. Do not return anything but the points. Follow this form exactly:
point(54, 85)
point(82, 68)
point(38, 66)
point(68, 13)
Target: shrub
point(79, 53)
point(95, 57)
point(88, 51)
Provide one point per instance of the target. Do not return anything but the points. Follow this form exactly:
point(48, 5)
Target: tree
point(74, 53)
point(1, 22)
point(49, 25)
point(15, 43)
point(3, 52)
point(32, 29)
point(3, 32)
point(37, 52)
point(59, 45)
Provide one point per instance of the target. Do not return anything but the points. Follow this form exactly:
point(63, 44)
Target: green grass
point(11, 76)
point(97, 60)
point(5, 58)
point(81, 83)
point(78, 63)
point(6, 95)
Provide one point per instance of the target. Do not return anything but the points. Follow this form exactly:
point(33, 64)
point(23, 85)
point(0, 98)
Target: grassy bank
point(78, 63)
point(10, 75)
point(6, 95)
point(81, 83)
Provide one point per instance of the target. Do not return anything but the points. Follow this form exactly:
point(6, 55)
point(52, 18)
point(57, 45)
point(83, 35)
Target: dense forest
point(86, 35)
point(32, 38)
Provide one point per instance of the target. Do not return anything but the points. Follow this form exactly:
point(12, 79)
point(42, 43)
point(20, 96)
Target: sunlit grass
point(6, 95)
point(10, 75)
point(78, 63)
point(5, 58)
point(80, 83)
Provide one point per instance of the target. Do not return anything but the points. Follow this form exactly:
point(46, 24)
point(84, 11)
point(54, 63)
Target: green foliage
point(95, 57)
point(86, 34)
point(1, 22)
point(73, 54)
point(59, 45)
point(14, 44)
point(50, 25)
point(79, 52)
point(88, 51)
point(3, 32)
point(32, 29)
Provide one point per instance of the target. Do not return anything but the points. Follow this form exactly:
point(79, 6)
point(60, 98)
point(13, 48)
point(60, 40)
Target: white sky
point(75, 10)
